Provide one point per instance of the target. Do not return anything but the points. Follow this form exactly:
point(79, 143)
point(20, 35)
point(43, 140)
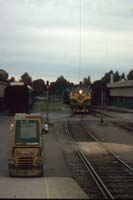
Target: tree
point(106, 78)
point(3, 75)
point(57, 89)
point(116, 76)
point(87, 81)
point(38, 86)
point(26, 78)
point(130, 75)
point(61, 85)
point(123, 76)
point(12, 79)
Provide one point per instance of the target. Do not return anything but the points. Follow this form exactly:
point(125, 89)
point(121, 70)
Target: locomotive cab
point(27, 147)
point(80, 99)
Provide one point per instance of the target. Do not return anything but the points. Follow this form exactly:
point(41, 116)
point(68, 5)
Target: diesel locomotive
point(80, 99)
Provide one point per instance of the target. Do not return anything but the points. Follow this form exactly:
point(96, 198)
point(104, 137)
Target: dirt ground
point(116, 139)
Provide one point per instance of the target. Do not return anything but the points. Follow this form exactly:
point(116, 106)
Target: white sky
point(42, 37)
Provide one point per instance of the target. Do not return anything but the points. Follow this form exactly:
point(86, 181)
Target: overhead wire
point(80, 39)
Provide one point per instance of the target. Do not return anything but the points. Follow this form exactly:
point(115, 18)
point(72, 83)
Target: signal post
point(47, 96)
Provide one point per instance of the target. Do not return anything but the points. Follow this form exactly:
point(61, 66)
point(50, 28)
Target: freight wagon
point(18, 97)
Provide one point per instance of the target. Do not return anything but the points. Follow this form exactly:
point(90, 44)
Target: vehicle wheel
point(41, 174)
point(10, 174)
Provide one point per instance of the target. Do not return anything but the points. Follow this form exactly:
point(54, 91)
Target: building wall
point(126, 102)
point(121, 92)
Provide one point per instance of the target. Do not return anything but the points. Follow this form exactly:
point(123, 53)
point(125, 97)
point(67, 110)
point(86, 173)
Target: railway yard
point(66, 99)
point(84, 157)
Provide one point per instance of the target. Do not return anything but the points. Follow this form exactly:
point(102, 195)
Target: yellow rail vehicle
point(27, 146)
point(80, 100)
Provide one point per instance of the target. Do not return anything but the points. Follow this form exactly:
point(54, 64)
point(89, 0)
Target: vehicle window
point(27, 132)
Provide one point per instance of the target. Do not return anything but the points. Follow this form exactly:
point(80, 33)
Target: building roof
point(22, 116)
point(17, 83)
point(3, 83)
point(121, 84)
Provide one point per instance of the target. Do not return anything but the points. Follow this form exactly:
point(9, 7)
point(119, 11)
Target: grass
point(40, 106)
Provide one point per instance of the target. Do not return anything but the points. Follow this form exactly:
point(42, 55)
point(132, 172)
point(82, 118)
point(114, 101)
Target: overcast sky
point(73, 38)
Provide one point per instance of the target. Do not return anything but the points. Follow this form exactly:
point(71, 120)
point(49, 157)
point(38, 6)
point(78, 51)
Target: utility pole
point(47, 96)
point(102, 103)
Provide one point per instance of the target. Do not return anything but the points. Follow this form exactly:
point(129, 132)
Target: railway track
point(99, 113)
point(113, 177)
point(96, 190)
point(119, 123)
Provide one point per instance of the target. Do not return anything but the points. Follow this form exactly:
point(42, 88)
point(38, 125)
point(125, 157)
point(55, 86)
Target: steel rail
point(102, 187)
point(109, 151)
point(99, 112)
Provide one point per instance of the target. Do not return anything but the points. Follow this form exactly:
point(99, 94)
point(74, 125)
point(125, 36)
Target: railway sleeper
point(123, 196)
point(119, 181)
point(98, 161)
point(121, 178)
point(121, 191)
point(116, 173)
point(126, 196)
point(111, 170)
point(120, 186)
point(102, 156)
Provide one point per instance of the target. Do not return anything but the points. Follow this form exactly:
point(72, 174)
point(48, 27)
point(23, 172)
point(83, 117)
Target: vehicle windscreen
point(27, 132)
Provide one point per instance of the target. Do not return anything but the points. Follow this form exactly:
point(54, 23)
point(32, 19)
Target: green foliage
point(130, 75)
point(40, 106)
point(58, 88)
point(12, 79)
point(106, 78)
point(87, 81)
point(38, 86)
point(116, 76)
point(26, 78)
point(123, 76)
point(3, 75)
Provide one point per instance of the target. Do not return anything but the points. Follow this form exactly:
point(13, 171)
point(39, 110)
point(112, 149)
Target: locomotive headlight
point(36, 153)
point(11, 162)
point(80, 91)
point(38, 162)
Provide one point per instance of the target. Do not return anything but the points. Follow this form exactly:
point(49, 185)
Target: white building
point(121, 93)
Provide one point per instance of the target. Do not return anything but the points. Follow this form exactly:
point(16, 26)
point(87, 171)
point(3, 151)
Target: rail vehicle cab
point(27, 146)
point(80, 100)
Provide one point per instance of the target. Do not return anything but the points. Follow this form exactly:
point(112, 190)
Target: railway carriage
point(18, 97)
